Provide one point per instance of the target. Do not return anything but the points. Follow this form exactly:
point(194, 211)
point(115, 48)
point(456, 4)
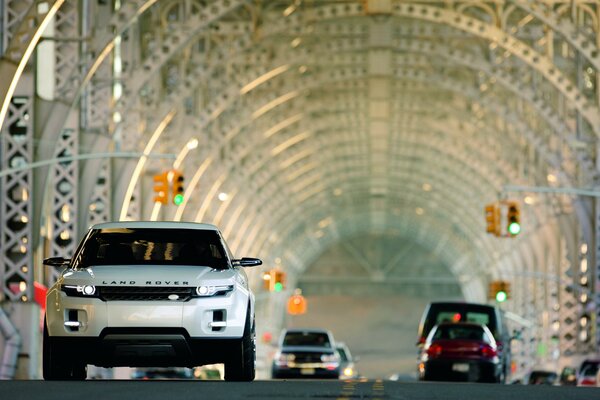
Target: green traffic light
point(278, 287)
point(178, 199)
point(501, 296)
point(514, 228)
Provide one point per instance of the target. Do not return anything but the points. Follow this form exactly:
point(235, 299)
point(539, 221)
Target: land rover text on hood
point(150, 294)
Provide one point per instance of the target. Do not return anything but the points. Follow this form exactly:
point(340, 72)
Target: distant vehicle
point(460, 351)
point(348, 368)
point(541, 377)
point(568, 376)
point(306, 353)
point(162, 373)
point(588, 370)
point(439, 312)
point(150, 294)
point(210, 372)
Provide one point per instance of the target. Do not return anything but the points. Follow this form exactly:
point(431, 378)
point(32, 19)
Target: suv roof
point(155, 225)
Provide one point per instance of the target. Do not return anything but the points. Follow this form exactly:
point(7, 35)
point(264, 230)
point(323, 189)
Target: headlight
point(207, 291)
point(287, 357)
point(79, 290)
point(284, 359)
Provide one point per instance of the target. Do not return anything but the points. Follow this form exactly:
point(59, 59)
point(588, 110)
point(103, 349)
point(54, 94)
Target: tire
point(241, 365)
point(56, 368)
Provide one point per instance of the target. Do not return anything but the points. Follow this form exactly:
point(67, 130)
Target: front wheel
point(241, 365)
point(55, 367)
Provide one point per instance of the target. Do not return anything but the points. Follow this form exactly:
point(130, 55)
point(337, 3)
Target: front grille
point(303, 357)
point(144, 293)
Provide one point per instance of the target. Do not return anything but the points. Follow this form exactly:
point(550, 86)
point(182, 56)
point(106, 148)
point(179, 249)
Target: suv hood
point(147, 275)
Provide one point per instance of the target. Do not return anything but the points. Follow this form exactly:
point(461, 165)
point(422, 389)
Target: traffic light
point(279, 281)
point(492, 218)
point(499, 291)
point(296, 304)
point(513, 216)
point(274, 280)
point(161, 188)
point(177, 182)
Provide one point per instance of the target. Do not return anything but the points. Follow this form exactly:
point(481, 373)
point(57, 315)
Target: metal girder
point(16, 273)
point(462, 89)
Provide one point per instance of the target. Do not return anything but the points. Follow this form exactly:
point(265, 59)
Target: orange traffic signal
point(492, 219)
point(499, 291)
point(513, 216)
point(177, 188)
point(296, 305)
point(161, 188)
point(274, 280)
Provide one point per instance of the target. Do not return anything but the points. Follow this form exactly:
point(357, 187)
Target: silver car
point(150, 294)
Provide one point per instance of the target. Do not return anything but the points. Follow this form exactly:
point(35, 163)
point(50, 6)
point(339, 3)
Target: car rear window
point(458, 312)
point(461, 332)
point(317, 339)
point(470, 316)
point(152, 246)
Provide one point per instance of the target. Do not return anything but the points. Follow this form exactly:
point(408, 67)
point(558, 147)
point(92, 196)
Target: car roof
point(155, 225)
point(469, 324)
point(460, 303)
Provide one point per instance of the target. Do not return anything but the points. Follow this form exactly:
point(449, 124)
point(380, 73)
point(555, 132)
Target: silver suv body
point(150, 294)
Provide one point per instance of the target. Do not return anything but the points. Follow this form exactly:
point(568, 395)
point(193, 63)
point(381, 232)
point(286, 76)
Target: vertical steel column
point(568, 305)
point(16, 149)
point(595, 283)
point(100, 205)
point(64, 176)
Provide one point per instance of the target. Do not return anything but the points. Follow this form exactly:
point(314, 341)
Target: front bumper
point(215, 317)
point(312, 372)
point(462, 370)
point(145, 347)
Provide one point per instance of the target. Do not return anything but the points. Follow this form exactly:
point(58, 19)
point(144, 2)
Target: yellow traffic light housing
point(492, 218)
point(513, 218)
point(274, 280)
point(177, 187)
point(499, 291)
point(161, 188)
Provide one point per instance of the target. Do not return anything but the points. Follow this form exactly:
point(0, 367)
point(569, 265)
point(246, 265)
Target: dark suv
point(306, 353)
point(490, 316)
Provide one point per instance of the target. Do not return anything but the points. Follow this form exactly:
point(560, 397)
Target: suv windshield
point(317, 339)
point(142, 246)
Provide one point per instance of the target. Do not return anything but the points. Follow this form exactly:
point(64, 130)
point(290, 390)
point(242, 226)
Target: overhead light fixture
point(192, 144)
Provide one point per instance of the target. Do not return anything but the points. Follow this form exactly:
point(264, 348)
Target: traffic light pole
point(557, 190)
point(81, 157)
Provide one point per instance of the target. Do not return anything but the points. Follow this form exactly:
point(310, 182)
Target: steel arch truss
point(312, 115)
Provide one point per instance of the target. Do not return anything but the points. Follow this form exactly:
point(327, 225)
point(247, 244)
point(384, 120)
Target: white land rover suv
point(150, 294)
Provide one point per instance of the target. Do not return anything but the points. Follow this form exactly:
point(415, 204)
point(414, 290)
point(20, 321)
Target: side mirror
point(247, 262)
point(57, 262)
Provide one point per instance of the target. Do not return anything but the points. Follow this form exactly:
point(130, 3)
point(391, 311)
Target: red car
point(460, 351)
point(588, 371)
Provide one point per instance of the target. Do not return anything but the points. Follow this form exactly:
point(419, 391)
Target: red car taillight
point(434, 350)
point(488, 352)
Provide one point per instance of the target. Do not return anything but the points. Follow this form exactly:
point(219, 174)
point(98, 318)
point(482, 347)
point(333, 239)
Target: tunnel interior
point(351, 144)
